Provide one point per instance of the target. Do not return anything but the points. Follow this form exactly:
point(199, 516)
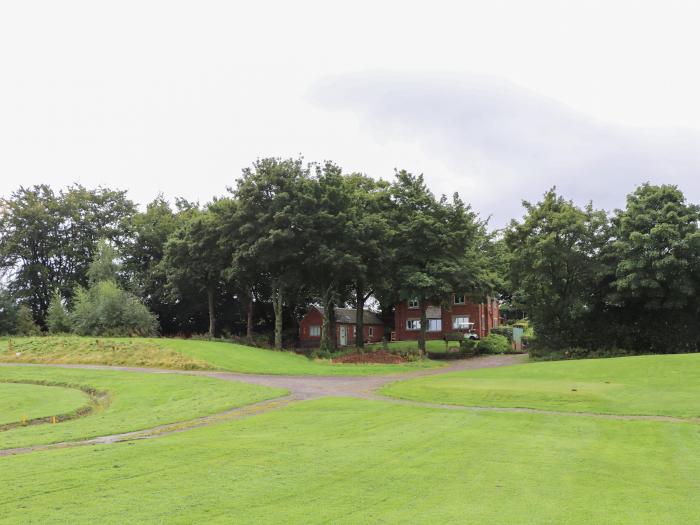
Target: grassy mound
point(92, 351)
point(184, 354)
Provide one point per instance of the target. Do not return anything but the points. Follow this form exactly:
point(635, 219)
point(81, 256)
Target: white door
point(343, 335)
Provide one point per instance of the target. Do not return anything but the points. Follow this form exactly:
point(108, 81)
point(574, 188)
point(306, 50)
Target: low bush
point(547, 354)
point(494, 344)
point(505, 331)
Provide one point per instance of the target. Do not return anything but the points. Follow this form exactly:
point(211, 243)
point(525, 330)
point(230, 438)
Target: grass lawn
point(184, 354)
point(249, 360)
point(18, 400)
point(358, 461)
point(136, 401)
point(655, 385)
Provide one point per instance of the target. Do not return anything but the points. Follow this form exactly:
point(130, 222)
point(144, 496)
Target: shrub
point(57, 318)
point(494, 344)
point(505, 331)
point(106, 310)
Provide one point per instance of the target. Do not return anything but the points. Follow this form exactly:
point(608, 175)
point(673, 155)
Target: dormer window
point(460, 299)
point(413, 303)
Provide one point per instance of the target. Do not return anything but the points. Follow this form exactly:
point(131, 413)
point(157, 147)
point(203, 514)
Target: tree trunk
point(423, 327)
point(360, 318)
point(277, 306)
point(328, 339)
point(212, 315)
point(249, 319)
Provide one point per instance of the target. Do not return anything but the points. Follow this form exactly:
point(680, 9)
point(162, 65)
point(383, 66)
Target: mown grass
point(652, 385)
point(136, 401)
point(184, 354)
point(20, 401)
point(358, 461)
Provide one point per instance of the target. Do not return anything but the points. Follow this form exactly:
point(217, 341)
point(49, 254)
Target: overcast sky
point(496, 100)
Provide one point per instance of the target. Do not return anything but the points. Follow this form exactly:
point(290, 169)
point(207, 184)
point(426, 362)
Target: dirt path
point(309, 387)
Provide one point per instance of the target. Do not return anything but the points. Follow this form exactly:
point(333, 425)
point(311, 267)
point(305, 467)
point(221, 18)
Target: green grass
point(184, 354)
point(655, 385)
point(358, 461)
point(18, 400)
point(136, 401)
point(249, 360)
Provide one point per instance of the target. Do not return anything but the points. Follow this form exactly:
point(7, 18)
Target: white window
point(460, 322)
point(434, 325)
point(459, 299)
point(370, 331)
point(413, 303)
point(412, 324)
point(315, 330)
point(354, 331)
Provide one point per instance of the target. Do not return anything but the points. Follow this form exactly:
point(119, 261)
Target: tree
point(25, 322)
point(437, 245)
point(8, 313)
point(556, 264)
point(194, 261)
point(656, 262)
point(57, 318)
point(48, 239)
point(274, 218)
point(367, 236)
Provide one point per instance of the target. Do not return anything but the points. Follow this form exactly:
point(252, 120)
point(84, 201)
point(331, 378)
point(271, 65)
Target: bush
point(407, 353)
point(494, 344)
point(106, 310)
point(546, 354)
point(505, 331)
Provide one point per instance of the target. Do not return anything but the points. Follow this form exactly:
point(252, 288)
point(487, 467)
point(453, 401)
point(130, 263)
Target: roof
point(349, 316)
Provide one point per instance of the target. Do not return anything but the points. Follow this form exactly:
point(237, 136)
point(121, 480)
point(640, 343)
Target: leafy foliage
point(57, 317)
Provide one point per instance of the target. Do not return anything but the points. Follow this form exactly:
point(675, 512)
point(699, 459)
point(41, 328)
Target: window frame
point(370, 331)
point(464, 299)
point(409, 323)
point(454, 322)
point(315, 328)
point(431, 321)
point(413, 303)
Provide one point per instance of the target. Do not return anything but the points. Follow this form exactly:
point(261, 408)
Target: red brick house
point(345, 329)
point(464, 314)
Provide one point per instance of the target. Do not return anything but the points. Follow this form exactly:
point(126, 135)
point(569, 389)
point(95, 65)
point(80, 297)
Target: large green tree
point(194, 261)
point(437, 245)
point(48, 239)
point(656, 270)
point(556, 264)
point(274, 212)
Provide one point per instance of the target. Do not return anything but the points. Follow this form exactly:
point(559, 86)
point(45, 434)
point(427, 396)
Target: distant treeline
point(290, 233)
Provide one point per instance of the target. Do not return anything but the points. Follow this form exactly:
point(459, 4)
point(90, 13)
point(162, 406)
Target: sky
point(496, 100)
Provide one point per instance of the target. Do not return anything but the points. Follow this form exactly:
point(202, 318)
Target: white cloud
point(502, 143)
